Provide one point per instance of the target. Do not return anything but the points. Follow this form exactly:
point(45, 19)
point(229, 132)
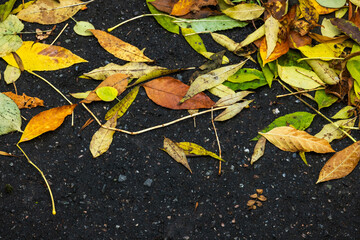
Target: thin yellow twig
point(299, 92)
point(217, 138)
point(59, 34)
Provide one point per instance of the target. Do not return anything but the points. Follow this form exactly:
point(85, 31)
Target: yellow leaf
point(272, 28)
point(50, 11)
point(322, 51)
point(119, 48)
point(341, 164)
point(232, 110)
point(330, 132)
point(121, 107)
point(43, 57)
point(46, 121)
point(293, 140)
point(221, 90)
point(231, 99)
point(244, 11)
point(258, 150)
point(194, 149)
point(177, 153)
point(299, 77)
point(102, 139)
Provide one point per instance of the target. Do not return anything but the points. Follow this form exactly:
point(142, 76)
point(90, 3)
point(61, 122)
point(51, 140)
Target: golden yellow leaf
point(103, 138)
point(258, 150)
point(194, 149)
point(50, 11)
point(119, 48)
point(43, 57)
point(341, 164)
point(2, 153)
point(293, 140)
point(177, 153)
point(121, 107)
point(46, 121)
point(232, 110)
point(24, 101)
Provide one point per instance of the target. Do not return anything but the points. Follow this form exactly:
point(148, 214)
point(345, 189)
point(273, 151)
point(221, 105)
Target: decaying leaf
point(10, 119)
point(258, 150)
point(341, 164)
point(323, 99)
point(46, 121)
point(344, 113)
point(119, 48)
point(232, 110)
point(177, 153)
point(193, 149)
point(168, 91)
point(245, 11)
point(121, 107)
point(103, 138)
point(324, 71)
point(347, 27)
point(25, 101)
point(9, 40)
point(293, 140)
point(231, 99)
point(330, 132)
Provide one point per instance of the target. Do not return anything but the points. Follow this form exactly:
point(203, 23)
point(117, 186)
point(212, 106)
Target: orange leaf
point(280, 49)
point(341, 164)
point(46, 121)
point(182, 7)
point(118, 81)
point(167, 92)
point(25, 101)
point(119, 48)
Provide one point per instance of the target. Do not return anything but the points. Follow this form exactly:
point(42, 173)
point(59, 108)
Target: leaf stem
point(43, 176)
point(62, 30)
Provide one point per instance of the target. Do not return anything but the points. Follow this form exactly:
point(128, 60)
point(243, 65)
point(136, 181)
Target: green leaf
point(331, 3)
point(192, 149)
point(344, 113)
point(164, 21)
point(290, 59)
point(246, 85)
point(299, 120)
point(210, 24)
point(9, 41)
point(246, 78)
point(121, 107)
point(10, 119)
point(353, 64)
point(347, 27)
point(5, 9)
point(82, 28)
point(268, 74)
point(323, 99)
point(107, 94)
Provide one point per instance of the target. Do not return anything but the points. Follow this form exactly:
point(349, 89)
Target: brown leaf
point(293, 140)
point(258, 150)
point(177, 153)
point(46, 121)
point(347, 27)
point(183, 7)
point(296, 40)
point(277, 8)
point(118, 81)
point(119, 48)
point(341, 164)
point(25, 101)
point(167, 92)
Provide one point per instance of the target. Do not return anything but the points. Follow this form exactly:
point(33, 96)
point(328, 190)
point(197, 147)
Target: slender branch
point(299, 92)
point(59, 34)
point(217, 138)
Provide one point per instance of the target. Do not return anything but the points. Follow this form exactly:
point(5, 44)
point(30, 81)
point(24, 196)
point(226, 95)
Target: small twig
point(299, 92)
point(321, 83)
point(15, 88)
point(59, 34)
point(217, 138)
point(195, 33)
point(320, 58)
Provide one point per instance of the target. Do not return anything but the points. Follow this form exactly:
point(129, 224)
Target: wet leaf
point(331, 3)
point(344, 113)
point(293, 140)
point(245, 11)
point(10, 119)
point(119, 48)
point(323, 99)
point(9, 40)
point(43, 57)
point(119, 81)
point(5, 9)
point(299, 120)
point(24, 101)
point(232, 110)
point(121, 107)
point(258, 150)
point(341, 164)
point(330, 132)
point(82, 28)
point(192, 149)
point(177, 153)
point(106, 94)
point(164, 21)
point(103, 138)
point(167, 92)
point(272, 28)
point(46, 121)
point(11, 74)
point(211, 79)
point(347, 27)
point(231, 99)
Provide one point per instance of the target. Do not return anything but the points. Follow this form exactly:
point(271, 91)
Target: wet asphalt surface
point(135, 190)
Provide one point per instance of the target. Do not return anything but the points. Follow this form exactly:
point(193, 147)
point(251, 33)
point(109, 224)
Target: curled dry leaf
point(119, 48)
point(341, 164)
point(258, 150)
point(167, 92)
point(103, 138)
point(292, 140)
point(25, 101)
point(177, 153)
point(46, 121)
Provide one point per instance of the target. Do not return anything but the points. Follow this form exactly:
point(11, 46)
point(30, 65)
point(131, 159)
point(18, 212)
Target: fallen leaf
point(323, 51)
point(276, 8)
point(245, 11)
point(167, 92)
point(43, 57)
point(344, 113)
point(309, 12)
point(272, 28)
point(258, 150)
point(341, 164)
point(232, 110)
point(225, 41)
point(221, 91)
point(280, 49)
point(119, 48)
point(299, 77)
point(9, 40)
point(25, 101)
point(2, 153)
point(177, 153)
point(123, 105)
point(329, 30)
point(352, 65)
point(331, 3)
point(50, 12)
point(293, 140)
point(5, 9)
point(347, 27)
point(10, 118)
point(103, 138)
point(46, 121)
point(164, 21)
point(106, 93)
point(192, 149)
point(80, 95)
point(82, 28)
point(231, 99)
point(296, 40)
point(330, 132)
point(257, 34)
point(327, 74)
point(183, 7)
point(11, 74)
point(323, 99)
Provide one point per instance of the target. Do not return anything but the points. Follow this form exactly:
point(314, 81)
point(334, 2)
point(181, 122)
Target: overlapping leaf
point(103, 138)
point(10, 119)
point(176, 152)
point(24, 101)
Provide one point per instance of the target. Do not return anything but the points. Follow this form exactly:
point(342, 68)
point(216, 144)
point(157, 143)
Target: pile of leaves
point(321, 67)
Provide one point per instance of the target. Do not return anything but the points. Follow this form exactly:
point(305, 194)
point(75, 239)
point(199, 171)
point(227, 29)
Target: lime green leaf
point(82, 28)
point(246, 78)
point(9, 41)
point(164, 21)
point(323, 99)
point(192, 149)
point(5, 9)
point(344, 113)
point(107, 94)
point(121, 107)
point(353, 64)
point(10, 119)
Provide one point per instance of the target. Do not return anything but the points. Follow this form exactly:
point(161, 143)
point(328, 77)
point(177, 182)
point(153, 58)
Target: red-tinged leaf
point(167, 92)
point(341, 164)
point(347, 27)
point(296, 40)
point(183, 7)
point(280, 49)
point(46, 121)
point(25, 101)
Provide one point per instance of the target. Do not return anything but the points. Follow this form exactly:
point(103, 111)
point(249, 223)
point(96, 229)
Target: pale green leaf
point(82, 28)
point(9, 40)
point(11, 74)
point(10, 119)
point(344, 113)
point(331, 3)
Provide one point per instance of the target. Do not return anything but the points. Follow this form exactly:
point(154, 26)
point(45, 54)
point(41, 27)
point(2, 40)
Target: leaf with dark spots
point(347, 27)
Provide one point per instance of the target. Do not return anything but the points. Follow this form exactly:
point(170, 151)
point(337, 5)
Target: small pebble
point(121, 178)
point(148, 182)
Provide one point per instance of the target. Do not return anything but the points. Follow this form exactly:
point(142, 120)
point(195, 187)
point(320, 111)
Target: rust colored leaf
point(25, 101)
point(119, 48)
point(167, 92)
point(183, 7)
point(296, 40)
point(347, 27)
point(280, 49)
point(341, 164)
point(176, 152)
point(118, 81)
point(277, 8)
point(46, 121)
point(293, 140)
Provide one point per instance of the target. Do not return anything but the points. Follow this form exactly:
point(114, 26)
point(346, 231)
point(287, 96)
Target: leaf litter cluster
point(323, 68)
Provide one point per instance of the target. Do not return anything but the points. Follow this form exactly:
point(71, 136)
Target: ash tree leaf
point(24, 101)
point(9, 40)
point(121, 107)
point(46, 121)
point(232, 110)
point(293, 140)
point(106, 93)
point(323, 99)
point(330, 132)
point(344, 113)
point(103, 138)
point(258, 150)
point(193, 149)
point(10, 118)
point(341, 164)
point(244, 11)
point(43, 57)
point(82, 28)
point(347, 27)
point(177, 153)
